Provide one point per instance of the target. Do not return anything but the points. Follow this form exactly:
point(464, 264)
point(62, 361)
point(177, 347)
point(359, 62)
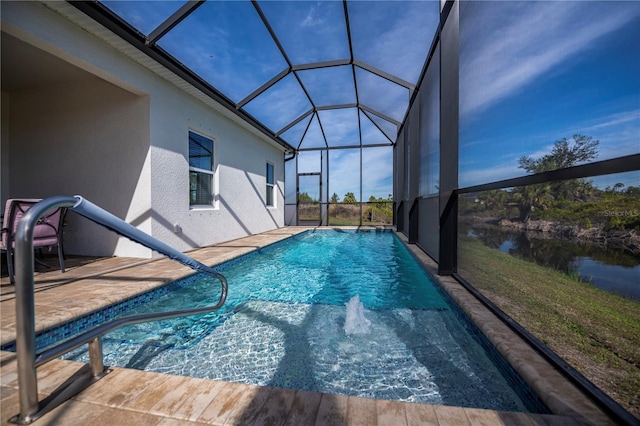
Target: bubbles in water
point(356, 322)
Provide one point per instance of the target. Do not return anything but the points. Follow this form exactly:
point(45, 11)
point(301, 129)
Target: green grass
point(345, 214)
point(614, 211)
point(597, 332)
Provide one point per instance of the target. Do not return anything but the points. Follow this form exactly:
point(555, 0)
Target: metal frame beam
point(377, 145)
point(282, 74)
point(294, 122)
point(383, 74)
point(449, 134)
point(324, 64)
point(628, 163)
point(118, 26)
point(379, 114)
point(378, 127)
point(173, 20)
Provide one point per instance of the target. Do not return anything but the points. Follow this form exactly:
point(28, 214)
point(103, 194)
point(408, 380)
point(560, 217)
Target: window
point(200, 170)
point(271, 199)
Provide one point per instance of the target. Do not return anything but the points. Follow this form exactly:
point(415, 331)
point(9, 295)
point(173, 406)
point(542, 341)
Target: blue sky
point(226, 43)
point(530, 73)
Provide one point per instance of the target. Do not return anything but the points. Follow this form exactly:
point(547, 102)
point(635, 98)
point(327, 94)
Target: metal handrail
point(30, 408)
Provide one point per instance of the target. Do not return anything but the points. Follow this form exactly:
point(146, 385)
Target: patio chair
point(47, 232)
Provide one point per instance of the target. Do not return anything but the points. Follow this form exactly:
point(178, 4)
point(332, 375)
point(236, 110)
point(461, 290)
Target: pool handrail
point(30, 408)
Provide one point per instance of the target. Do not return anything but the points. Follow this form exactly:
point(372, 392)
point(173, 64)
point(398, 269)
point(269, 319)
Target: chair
point(47, 232)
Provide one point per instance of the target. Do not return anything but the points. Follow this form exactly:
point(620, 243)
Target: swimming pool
point(283, 325)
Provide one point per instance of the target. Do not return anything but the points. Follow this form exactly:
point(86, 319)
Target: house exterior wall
point(4, 148)
point(121, 140)
point(240, 178)
point(85, 138)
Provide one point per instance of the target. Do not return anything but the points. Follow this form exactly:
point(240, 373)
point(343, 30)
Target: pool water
point(283, 326)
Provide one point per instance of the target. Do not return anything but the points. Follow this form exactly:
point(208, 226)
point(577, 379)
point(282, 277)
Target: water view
point(614, 269)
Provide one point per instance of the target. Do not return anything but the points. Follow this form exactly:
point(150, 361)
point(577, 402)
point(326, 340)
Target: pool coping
point(555, 391)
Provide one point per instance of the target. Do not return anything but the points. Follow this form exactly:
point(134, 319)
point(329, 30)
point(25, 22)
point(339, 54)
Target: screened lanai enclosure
point(388, 106)
point(501, 137)
point(332, 81)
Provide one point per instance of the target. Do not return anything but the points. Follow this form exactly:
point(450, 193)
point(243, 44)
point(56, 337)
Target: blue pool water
point(283, 326)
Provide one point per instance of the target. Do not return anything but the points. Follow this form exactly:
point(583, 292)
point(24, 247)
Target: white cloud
point(394, 36)
point(344, 172)
point(619, 144)
point(329, 86)
point(618, 133)
point(511, 45)
point(628, 179)
point(377, 176)
point(309, 31)
point(235, 59)
point(340, 127)
point(280, 104)
point(616, 119)
point(382, 95)
point(312, 19)
point(310, 162)
point(377, 173)
point(490, 174)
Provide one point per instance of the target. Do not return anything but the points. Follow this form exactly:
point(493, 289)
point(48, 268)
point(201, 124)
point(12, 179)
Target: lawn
point(597, 332)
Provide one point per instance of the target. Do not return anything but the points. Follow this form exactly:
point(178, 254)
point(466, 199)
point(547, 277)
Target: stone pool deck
point(132, 397)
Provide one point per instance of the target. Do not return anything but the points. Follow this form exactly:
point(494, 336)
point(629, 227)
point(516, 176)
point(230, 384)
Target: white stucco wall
point(240, 179)
point(4, 148)
point(137, 136)
point(84, 138)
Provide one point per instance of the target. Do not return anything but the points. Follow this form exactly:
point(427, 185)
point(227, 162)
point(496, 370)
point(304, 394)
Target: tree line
point(575, 201)
point(349, 198)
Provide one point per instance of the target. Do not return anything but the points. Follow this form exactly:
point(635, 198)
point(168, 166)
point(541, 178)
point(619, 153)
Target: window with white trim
point(201, 170)
point(271, 186)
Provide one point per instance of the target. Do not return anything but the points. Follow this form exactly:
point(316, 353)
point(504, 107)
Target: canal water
point(612, 269)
